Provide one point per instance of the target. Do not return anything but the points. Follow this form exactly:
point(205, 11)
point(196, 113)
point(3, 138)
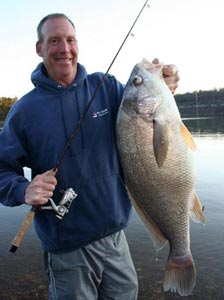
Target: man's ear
point(38, 49)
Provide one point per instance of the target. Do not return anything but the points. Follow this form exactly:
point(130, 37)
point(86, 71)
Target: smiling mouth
point(64, 60)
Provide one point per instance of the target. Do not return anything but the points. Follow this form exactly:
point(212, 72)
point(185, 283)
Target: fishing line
point(197, 114)
point(77, 127)
point(93, 136)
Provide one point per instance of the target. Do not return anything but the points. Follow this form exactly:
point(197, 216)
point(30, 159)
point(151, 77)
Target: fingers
point(169, 70)
point(41, 188)
point(170, 75)
point(155, 61)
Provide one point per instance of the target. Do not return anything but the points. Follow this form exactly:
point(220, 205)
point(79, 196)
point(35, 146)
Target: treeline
point(191, 105)
point(5, 105)
point(201, 104)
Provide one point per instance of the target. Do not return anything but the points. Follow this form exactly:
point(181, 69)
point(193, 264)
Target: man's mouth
point(64, 60)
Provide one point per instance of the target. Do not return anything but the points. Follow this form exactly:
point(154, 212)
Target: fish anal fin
point(180, 275)
point(196, 212)
point(187, 137)
point(158, 239)
point(160, 141)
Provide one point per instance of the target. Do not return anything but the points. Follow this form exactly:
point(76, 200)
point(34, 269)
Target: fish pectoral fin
point(196, 212)
point(160, 141)
point(158, 239)
point(187, 137)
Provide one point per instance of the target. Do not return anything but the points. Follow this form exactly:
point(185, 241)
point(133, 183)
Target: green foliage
point(5, 105)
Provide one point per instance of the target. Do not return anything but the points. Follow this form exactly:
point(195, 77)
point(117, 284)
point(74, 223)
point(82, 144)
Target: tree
point(5, 105)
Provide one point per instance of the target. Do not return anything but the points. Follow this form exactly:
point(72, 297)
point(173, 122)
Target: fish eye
point(137, 80)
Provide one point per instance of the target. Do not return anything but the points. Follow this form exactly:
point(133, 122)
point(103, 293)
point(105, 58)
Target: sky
point(187, 33)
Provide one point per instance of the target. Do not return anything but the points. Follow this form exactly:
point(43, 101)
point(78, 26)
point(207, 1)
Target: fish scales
point(159, 169)
point(153, 188)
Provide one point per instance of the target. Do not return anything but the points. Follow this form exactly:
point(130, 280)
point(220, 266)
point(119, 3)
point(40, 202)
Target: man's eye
point(54, 41)
point(71, 40)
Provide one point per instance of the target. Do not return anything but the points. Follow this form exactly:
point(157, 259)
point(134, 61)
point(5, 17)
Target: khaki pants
point(102, 270)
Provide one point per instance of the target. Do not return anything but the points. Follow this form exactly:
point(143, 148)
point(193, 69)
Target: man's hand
point(41, 188)
point(170, 75)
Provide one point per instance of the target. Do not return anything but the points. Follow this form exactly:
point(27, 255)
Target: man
point(86, 253)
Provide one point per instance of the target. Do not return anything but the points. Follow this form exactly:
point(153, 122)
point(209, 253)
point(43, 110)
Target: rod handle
point(23, 229)
point(26, 223)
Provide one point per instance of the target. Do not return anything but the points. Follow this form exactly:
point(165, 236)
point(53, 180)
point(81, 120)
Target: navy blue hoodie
point(34, 134)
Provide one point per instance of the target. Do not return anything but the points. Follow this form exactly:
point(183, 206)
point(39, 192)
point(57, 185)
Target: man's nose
point(64, 46)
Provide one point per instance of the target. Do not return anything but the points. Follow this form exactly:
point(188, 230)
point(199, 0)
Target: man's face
point(59, 50)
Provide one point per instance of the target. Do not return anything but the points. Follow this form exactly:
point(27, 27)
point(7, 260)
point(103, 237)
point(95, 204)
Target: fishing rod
point(77, 127)
point(69, 195)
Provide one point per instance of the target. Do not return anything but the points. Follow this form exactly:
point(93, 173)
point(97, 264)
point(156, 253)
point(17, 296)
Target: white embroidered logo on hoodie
point(101, 113)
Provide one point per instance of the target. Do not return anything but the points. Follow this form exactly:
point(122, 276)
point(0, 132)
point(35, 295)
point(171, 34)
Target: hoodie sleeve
point(12, 160)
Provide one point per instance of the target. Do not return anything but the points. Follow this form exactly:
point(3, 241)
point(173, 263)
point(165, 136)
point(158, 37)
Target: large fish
point(157, 156)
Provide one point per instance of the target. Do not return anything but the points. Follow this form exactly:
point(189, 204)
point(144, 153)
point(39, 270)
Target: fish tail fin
point(180, 275)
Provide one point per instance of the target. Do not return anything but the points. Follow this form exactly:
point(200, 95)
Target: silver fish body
point(156, 152)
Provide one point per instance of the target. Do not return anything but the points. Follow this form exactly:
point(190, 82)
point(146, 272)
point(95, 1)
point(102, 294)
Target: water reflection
point(21, 274)
point(211, 126)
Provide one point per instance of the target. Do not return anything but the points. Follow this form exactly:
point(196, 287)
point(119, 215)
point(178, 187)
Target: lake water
point(22, 273)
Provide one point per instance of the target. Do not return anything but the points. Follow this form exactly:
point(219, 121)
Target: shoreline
point(22, 274)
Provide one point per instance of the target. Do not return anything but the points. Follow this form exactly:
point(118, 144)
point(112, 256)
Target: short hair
point(50, 16)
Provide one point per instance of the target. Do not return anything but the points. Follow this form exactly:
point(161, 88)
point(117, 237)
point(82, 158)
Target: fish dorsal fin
point(160, 141)
point(187, 137)
point(158, 239)
point(196, 212)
